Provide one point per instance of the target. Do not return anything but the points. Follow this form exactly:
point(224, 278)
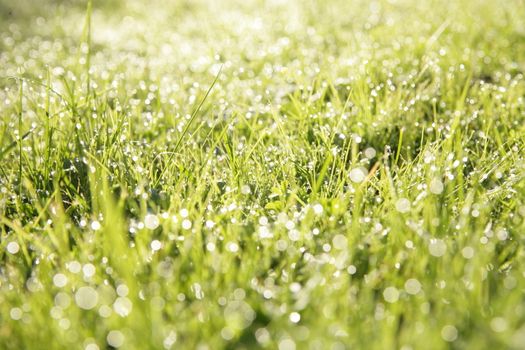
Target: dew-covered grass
point(230, 174)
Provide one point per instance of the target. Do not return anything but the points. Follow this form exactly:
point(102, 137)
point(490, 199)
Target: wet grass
point(262, 174)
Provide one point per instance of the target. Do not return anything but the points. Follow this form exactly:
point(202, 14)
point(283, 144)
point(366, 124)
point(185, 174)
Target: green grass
point(262, 174)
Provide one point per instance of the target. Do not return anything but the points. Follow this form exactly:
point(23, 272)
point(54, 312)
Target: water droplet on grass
point(86, 298)
point(105, 311)
point(287, 344)
point(95, 225)
point(436, 186)
point(156, 245)
point(340, 242)
point(412, 286)
point(370, 153)
point(16, 313)
point(115, 339)
point(351, 269)
point(186, 224)
point(62, 300)
point(391, 294)
point(122, 306)
point(498, 324)
point(151, 221)
point(232, 247)
point(449, 333)
point(246, 189)
point(437, 247)
point(13, 247)
point(467, 252)
point(403, 205)
point(91, 346)
point(88, 270)
point(59, 280)
point(74, 266)
point(318, 209)
point(358, 175)
point(295, 317)
point(122, 290)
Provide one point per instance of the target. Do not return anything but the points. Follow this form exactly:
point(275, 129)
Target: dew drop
point(370, 153)
point(122, 306)
point(318, 209)
point(59, 280)
point(287, 344)
point(86, 298)
point(295, 317)
point(246, 189)
point(115, 339)
point(357, 175)
point(88, 270)
point(449, 333)
point(16, 313)
point(156, 245)
point(437, 247)
point(95, 225)
point(13, 247)
point(186, 224)
point(403, 205)
point(467, 252)
point(391, 294)
point(412, 286)
point(436, 186)
point(151, 221)
point(498, 324)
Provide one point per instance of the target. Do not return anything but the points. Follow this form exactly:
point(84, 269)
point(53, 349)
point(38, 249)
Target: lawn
point(279, 174)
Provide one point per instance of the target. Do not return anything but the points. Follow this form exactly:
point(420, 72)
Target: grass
point(262, 174)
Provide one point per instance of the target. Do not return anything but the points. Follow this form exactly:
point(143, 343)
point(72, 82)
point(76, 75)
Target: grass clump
point(262, 174)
